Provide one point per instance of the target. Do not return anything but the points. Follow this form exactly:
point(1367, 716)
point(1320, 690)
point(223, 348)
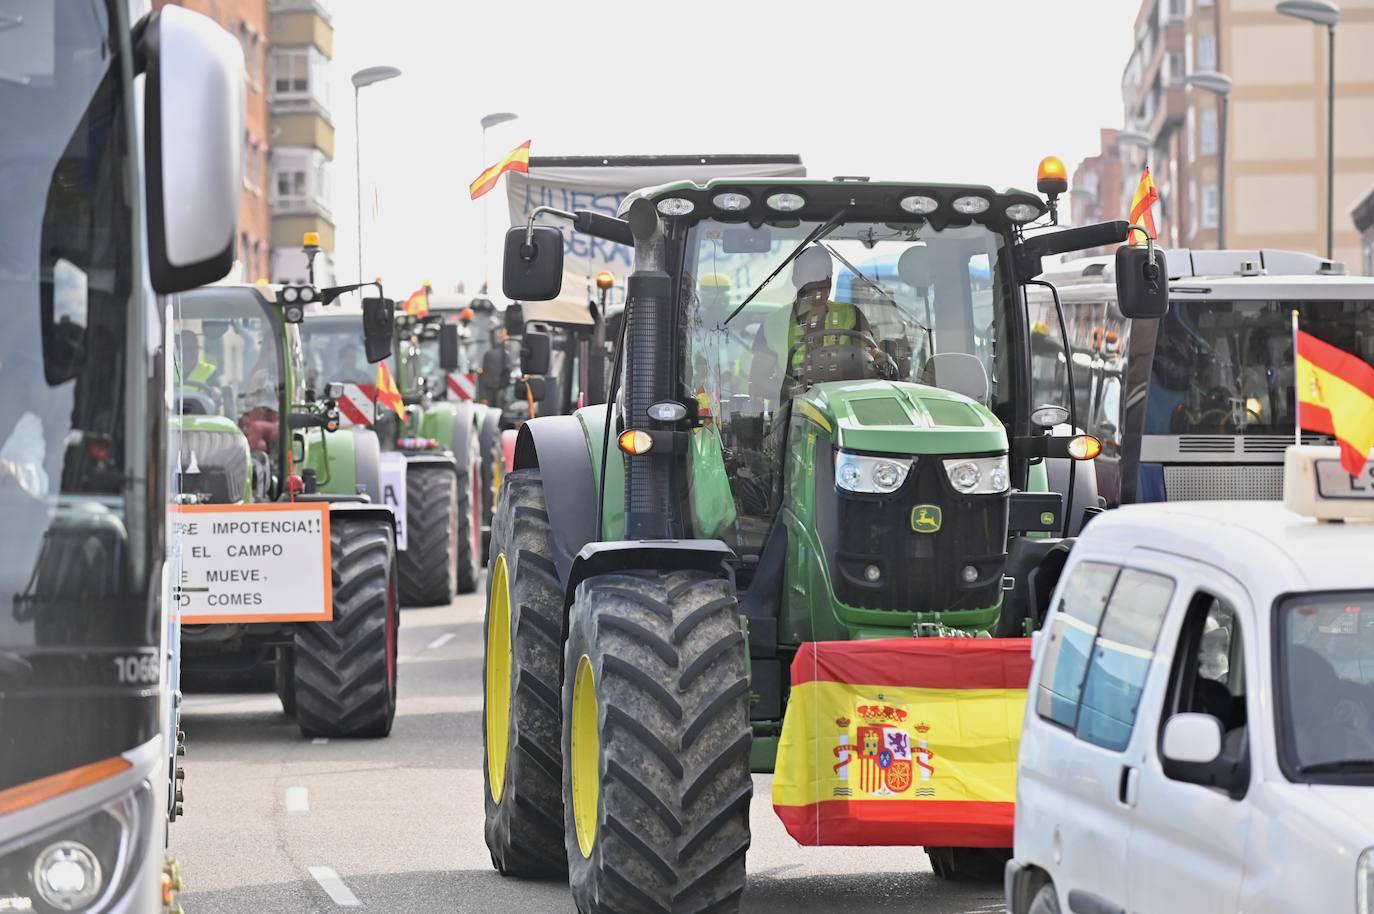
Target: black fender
point(711, 556)
point(438, 458)
point(557, 445)
point(488, 429)
point(1057, 470)
point(363, 510)
point(464, 427)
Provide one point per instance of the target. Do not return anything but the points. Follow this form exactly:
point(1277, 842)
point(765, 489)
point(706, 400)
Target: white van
point(1199, 734)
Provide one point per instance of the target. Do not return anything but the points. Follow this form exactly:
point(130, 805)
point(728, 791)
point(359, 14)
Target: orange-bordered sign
point(903, 741)
point(251, 563)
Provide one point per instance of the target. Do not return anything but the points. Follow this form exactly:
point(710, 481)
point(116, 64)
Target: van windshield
point(1326, 682)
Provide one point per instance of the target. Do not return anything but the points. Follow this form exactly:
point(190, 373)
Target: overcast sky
point(918, 90)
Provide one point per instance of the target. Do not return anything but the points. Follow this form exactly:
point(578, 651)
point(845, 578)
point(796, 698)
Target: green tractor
point(250, 432)
point(431, 451)
point(821, 428)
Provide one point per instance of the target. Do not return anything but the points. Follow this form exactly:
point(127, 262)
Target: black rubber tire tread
point(524, 831)
point(469, 552)
point(493, 461)
point(1046, 901)
point(285, 676)
point(427, 565)
point(969, 864)
point(675, 787)
point(342, 683)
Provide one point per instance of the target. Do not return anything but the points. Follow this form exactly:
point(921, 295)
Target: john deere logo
point(926, 518)
point(1047, 518)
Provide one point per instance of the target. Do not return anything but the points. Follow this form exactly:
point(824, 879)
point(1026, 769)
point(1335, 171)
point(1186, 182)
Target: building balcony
point(288, 230)
point(301, 206)
point(302, 27)
point(308, 129)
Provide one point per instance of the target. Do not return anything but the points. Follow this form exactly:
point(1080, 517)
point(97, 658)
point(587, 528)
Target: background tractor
point(248, 431)
point(838, 442)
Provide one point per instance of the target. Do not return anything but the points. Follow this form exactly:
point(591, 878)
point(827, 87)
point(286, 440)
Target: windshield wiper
point(816, 234)
point(1345, 764)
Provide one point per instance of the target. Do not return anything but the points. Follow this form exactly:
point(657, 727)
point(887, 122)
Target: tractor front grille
point(919, 572)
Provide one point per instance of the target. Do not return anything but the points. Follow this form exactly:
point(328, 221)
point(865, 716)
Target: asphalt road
point(275, 822)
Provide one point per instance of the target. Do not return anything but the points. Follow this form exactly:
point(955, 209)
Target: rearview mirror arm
point(598, 225)
point(330, 295)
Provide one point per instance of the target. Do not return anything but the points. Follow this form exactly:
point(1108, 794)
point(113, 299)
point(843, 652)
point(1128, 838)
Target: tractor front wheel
point(429, 564)
point(521, 714)
point(345, 669)
point(656, 741)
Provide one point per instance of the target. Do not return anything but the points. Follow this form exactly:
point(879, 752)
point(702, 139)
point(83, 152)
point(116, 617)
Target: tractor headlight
point(978, 475)
point(871, 475)
point(731, 201)
point(78, 864)
point(971, 205)
point(676, 206)
point(919, 204)
point(784, 202)
point(1364, 883)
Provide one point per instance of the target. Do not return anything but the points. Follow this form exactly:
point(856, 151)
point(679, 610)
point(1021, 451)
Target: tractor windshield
point(901, 302)
point(334, 351)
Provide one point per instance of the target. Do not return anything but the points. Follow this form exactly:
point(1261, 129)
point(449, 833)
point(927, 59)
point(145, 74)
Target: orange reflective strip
point(54, 785)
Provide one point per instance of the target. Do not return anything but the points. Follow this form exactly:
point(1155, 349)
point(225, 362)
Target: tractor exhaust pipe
point(650, 511)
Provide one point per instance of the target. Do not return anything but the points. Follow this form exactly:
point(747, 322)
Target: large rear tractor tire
point(285, 674)
point(345, 670)
point(429, 564)
point(521, 711)
point(656, 740)
point(493, 468)
point(469, 560)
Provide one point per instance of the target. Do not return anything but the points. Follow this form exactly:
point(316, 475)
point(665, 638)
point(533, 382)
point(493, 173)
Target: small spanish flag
point(1142, 212)
point(387, 394)
point(517, 160)
point(418, 303)
point(1336, 397)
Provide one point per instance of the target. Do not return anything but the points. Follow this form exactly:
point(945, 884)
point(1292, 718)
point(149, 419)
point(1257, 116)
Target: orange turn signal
point(1084, 447)
point(1052, 178)
point(605, 279)
point(635, 442)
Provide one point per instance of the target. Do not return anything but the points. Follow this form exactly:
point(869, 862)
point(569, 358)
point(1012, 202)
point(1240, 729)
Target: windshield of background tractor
point(228, 362)
point(1326, 685)
point(903, 302)
point(78, 542)
point(1226, 367)
point(334, 351)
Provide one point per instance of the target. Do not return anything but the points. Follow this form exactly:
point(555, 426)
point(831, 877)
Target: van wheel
point(969, 864)
point(1046, 901)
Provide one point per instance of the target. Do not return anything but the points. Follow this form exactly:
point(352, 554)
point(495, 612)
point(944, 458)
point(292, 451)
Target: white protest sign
point(251, 563)
point(393, 473)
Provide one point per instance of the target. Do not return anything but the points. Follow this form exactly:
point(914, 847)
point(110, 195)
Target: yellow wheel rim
point(498, 677)
point(586, 752)
point(498, 469)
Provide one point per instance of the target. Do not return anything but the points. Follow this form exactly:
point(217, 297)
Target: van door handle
point(1125, 793)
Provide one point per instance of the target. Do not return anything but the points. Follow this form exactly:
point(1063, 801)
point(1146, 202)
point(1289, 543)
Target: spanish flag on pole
point(518, 159)
point(903, 741)
point(1335, 397)
point(387, 394)
point(1142, 205)
point(418, 303)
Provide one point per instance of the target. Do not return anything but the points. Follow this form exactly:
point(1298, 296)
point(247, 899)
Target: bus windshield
point(1227, 367)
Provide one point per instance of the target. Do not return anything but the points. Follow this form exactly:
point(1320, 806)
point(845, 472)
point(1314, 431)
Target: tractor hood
point(902, 418)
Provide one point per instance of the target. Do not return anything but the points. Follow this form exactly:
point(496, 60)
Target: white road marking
point(441, 641)
point(334, 887)
point(320, 740)
point(297, 799)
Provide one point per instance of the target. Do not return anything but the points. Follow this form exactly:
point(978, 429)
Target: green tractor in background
point(839, 441)
point(431, 452)
point(249, 431)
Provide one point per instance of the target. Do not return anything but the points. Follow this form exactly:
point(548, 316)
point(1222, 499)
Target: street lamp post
point(1219, 84)
point(361, 79)
point(489, 120)
point(1326, 13)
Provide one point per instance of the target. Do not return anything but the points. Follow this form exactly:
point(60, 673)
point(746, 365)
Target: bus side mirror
point(1142, 284)
point(533, 271)
point(534, 353)
point(193, 100)
point(379, 315)
point(515, 319)
point(448, 347)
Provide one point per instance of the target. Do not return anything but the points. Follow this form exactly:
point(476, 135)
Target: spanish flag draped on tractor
point(1335, 397)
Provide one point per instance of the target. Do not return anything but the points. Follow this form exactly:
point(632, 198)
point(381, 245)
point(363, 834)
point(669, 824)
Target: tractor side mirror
point(448, 347)
point(515, 318)
point(534, 353)
point(193, 102)
point(538, 387)
point(1142, 285)
point(379, 315)
point(533, 271)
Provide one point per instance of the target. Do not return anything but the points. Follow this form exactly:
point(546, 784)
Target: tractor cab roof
point(758, 200)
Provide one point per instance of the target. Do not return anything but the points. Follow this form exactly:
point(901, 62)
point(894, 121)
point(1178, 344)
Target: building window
point(1209, 132)
point(1211, 210)
point(1175, 68)
point(300, 78)
point(300, 181)
point(1206, 52)
point(1178, 9)
point(1192, 208)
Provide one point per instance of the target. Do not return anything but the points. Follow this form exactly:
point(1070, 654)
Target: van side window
point(1208, 672)
point(1086, 591)
point(1121, 658)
